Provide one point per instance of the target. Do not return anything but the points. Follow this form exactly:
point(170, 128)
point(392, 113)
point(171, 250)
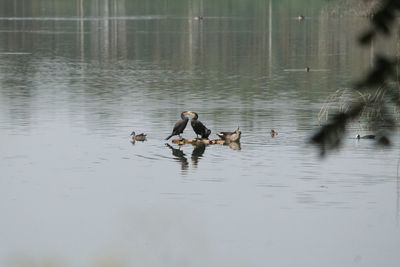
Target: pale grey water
point(75, 192)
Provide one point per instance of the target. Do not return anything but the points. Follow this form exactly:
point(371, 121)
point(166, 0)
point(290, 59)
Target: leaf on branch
point(366, 38)
point(382, 19)
point(383, 141)
point(330, 135)
point(383, 68)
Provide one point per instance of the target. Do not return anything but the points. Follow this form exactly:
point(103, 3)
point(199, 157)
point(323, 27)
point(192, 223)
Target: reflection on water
point(305, 70)
point(180, 156)
point(234, 145)
point(133, 142)
point(77, 76)
point(197, 154)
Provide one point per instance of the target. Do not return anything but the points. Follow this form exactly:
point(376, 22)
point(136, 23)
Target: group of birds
point(200, 129)
point(198, 126)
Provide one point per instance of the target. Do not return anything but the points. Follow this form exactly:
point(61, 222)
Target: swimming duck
point(368, 136)
point(179, 125)
point(139, 137)
point(273, 133)
point(198, 17)
point(199, 127)
point(231, 136)
point(300, 17)
point(307, 69)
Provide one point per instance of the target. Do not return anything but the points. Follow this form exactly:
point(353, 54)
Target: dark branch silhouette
point(379, 87)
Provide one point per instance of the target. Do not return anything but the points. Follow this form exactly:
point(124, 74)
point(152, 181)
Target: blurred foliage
point(379, 89)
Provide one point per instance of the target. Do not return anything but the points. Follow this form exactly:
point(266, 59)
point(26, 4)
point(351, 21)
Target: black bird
point(198, 126)
point(179, 125)
point(368, 136)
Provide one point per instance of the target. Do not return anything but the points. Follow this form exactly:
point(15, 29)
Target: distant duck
point(307, 69)
point(273, 133)
point(138, 137)
point(368, 136)
point(198, 18)
point(300, 17)
point(231, 136)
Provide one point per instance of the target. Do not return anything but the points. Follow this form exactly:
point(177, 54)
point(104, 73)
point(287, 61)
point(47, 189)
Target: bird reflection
point(198, 151)
point(197, 154)
point(179, 156)
point(234, 145)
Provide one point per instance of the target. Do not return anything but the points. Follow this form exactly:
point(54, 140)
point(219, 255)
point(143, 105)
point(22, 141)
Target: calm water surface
point(75, 192)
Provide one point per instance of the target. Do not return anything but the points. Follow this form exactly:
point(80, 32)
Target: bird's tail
point(169, 137)
point(207, 134)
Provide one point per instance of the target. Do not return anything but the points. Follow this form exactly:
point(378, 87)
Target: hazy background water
point(76, 77)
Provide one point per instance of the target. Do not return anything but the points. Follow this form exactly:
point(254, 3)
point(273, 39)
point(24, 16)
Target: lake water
point(77, 78)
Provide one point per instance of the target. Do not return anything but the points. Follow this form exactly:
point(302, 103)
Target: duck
point(273, 133)
point(138, 137)
point(307, 69)
point(198, 126)
point(198, 17)
point(368, 136)
point(231, 136)
point(180, 125)
point(300, 17)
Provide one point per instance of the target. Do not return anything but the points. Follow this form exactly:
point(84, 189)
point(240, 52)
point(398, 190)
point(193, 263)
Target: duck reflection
point(179, 156)
point(234, 145)
point(198, 151)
